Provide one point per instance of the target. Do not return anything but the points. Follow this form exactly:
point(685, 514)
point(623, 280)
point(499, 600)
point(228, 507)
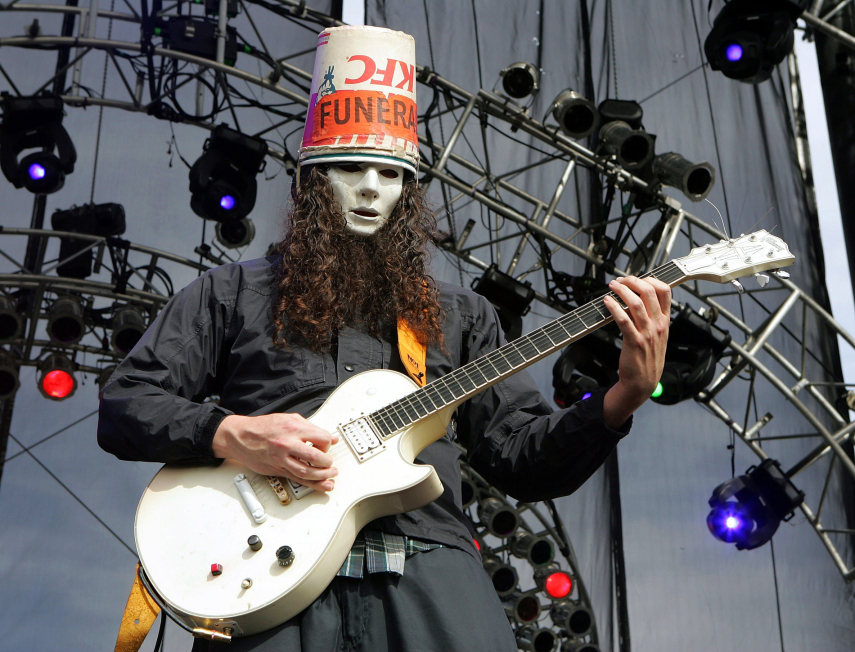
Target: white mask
point(367, 192)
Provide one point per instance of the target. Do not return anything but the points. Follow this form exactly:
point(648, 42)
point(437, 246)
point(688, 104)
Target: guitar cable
point(197, 632)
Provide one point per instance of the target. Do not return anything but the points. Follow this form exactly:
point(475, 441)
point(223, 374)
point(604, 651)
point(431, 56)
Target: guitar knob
point(762, 280)
point(254, 543)
point(781, 274)
point(285, 556)
point(738, 286)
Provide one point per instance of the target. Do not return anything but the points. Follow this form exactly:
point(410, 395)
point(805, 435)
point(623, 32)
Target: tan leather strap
point(140, 613)
point(413, 353)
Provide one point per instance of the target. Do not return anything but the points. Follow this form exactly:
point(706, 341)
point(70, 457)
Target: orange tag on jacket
point(140, 613)
point(413, 353)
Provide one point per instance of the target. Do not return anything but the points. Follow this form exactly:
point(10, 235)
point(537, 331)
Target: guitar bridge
point(361, 438)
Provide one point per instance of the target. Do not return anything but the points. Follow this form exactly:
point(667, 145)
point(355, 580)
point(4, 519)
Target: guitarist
point(273, 338)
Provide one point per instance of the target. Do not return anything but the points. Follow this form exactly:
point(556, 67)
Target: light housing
point(10, 320)
point(468, 491)
point(538, 551)
point(747, 509)
point(9, 382)
point(235, 233)
point(573, 617)
point(695, 180)
point(103, 220)
point(632, 148)
point(66, 323)
point(583, 367)
point(695, 345)
point(56, 377)
point(750, 37)
point(503, 576)
point(524, 608)
point(576, 115)
point(104, 375)
point(35, 123)
point(501, 520)
point(533, 639)
point(511, 298)
point(519, 80)
point(553, 581)
point(128, 328)
point(222, 180)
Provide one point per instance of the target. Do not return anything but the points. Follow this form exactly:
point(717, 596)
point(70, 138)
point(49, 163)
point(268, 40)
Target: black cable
point(715, 139)
point(73, 495)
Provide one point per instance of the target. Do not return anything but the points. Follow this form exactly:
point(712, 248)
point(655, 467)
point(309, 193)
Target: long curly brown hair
point(328, 278)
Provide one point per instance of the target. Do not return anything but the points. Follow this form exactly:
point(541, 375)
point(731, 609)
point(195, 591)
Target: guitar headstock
point(727, 260)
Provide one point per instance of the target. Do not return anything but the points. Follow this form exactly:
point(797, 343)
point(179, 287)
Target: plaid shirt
point(381, 553)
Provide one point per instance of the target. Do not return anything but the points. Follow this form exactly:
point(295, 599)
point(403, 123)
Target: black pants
point(444, 602)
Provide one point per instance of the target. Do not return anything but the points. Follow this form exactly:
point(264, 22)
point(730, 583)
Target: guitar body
point(191, 518)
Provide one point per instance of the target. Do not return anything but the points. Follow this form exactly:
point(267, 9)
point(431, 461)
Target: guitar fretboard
point(468, 380)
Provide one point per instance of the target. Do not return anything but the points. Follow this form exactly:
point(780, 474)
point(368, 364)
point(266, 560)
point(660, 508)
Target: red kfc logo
point(385, 77)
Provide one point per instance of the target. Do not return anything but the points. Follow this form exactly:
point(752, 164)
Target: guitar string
point(408, 403)
point(586, 311)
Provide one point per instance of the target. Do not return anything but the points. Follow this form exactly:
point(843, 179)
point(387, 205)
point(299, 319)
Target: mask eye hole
point(389, 173)
point(349, 167)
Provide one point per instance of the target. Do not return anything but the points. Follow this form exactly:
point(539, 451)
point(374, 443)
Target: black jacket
point(215, 337)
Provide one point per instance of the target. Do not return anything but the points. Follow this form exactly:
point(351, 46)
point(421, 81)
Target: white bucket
point(363, 103)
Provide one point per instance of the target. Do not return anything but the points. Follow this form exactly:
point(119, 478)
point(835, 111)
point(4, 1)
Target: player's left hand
point(644, 326)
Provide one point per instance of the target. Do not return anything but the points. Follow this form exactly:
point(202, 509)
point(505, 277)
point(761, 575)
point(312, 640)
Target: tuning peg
point(762, 280)
point(738, 286)
point(781, 274)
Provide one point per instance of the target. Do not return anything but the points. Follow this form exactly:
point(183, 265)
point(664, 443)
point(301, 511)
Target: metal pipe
point(222, 22)
point(452, 140)
point(829, 30)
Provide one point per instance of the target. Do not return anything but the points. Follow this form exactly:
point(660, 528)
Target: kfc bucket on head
point(363, 102)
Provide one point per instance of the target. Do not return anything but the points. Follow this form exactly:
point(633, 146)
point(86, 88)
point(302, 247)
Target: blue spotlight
point(227, 202)
point(733, 52)
point(37, 171)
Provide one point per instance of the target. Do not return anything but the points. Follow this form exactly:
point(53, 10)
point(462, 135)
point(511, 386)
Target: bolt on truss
point(551, 208)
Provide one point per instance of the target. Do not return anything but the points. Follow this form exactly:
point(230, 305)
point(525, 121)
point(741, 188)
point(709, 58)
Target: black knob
point(285, 556)
point(254, 543)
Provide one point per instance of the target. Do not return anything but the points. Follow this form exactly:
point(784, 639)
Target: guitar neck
point(461, 384)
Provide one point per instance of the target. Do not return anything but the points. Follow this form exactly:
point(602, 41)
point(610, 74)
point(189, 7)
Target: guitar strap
point(140, 613)
point(413, 353)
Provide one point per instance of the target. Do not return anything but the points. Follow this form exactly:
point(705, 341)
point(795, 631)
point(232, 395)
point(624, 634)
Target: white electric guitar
point(236, 552)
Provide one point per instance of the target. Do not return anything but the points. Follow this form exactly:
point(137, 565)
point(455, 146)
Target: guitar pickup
point(361, 438)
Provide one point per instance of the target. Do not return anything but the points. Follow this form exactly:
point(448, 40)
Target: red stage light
point(58, 384)
point(558, 585)
point(477, 545)
point(56, 380)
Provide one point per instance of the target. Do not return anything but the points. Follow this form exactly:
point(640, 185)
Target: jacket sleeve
point(514, 438)
point(152, 408)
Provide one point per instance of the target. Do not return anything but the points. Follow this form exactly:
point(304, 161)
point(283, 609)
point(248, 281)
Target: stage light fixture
point(576, 115)
point(556, 583)
point(520, 80)
point(56, 378)
point(583, 367)
point(537, 550)
point(573, 617)
point(197, 36)
point(128, 328)
point(622, 136)
point(66, 323)
point(750, 37)
point(35, 123)
point(695, 345)
point(10, 320)
point(503, 576)
point(8, 375)
point(468, 491)
point(235, 233)
point(695, 180)
point(103, 220)
point(522, 607)
point(747, 509)
point(501, 520)
point(533, 639)
point(222, 180)
point(511, 298)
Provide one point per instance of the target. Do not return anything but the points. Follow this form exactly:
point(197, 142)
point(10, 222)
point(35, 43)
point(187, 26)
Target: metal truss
point(523, 228)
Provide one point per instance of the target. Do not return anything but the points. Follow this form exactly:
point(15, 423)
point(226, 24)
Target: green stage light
point(658, 391)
